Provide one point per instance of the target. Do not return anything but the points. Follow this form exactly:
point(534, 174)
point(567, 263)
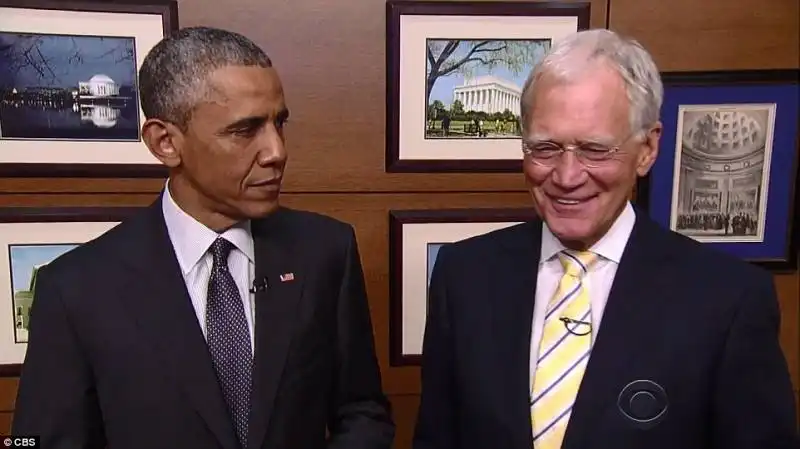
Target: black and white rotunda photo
point(722, 171)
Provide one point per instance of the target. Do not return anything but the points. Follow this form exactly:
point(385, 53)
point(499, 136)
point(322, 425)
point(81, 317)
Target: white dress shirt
point(598, 281)
point(191, 241)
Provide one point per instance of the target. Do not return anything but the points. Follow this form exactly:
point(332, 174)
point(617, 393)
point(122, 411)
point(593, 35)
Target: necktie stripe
point(552, 379)
point(563, 355)
point(583, 264)
point(577, 260)
point(551, 424)
point(557, 399)
point(562, 337)
point(556, 306)
point(551, 428)
point(553, 437)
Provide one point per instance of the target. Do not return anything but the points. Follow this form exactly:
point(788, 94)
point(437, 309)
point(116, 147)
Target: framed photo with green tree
point(455, 75)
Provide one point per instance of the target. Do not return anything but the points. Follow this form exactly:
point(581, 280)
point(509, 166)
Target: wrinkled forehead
point(237, 92)
point(589, 108)
point(234, 83)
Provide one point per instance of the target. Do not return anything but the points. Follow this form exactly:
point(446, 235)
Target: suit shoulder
point(717, 266)
point(493, 240)
point(308, 221)
point(502, 235)
point(92, 255)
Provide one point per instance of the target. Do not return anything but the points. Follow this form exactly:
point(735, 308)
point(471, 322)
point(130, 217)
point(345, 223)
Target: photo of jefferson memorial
point(98, 86)
point(488, 94)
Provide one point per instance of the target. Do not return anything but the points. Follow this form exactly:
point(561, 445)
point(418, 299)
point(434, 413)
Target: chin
point(260, 209)
point(572, 229)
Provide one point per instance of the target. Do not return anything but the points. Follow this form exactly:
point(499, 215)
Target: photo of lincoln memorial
point(722, 172)
point(489, 94)
point(473, 87)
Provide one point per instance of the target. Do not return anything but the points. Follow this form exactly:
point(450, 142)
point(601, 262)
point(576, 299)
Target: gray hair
point(173, 77)
point(569, 57)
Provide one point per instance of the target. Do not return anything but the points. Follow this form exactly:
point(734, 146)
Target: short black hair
point(173, 76)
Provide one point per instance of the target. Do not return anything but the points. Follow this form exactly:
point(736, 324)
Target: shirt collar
point(610, 246)
point(192, 239)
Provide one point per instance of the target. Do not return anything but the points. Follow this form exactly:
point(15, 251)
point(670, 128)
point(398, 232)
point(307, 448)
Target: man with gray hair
point(215, 319)
point(515, 355)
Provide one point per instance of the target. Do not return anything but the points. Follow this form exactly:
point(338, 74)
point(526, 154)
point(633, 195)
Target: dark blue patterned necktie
point(229, 339)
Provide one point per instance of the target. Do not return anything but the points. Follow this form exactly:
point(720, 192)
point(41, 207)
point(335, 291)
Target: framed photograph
point(29, 239)
point(69, 96)
point(455, 73)
point(415, 238)
point(727, 168)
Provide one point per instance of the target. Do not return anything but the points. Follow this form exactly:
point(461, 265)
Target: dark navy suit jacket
point(117, 359)
point(695, 327)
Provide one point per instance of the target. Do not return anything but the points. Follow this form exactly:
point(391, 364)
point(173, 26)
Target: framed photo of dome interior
point(727, 170)
point(69, 97)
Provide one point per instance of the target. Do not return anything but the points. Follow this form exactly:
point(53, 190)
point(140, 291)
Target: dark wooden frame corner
point(59, 215)
point(168, 9)
point(399, 218)
point(394, 10)
point(789, 263)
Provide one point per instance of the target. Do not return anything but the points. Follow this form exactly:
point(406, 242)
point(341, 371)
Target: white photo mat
point(414, 31)
point(25, 233)
point(415, 238)
point(146, 29)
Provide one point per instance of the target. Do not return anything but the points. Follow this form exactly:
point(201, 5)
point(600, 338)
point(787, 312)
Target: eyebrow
point(254, 121)
point(605, 140)
point(536, 138)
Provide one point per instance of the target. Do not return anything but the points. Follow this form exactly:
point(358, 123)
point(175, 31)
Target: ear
point(164, 140)
point(647, 157)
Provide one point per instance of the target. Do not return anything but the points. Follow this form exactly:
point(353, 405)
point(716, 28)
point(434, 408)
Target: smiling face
point(228, 164)
point(579, 203)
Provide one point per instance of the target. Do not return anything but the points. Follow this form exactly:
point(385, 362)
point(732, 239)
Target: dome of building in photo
point(724, 135)
point(103, 86)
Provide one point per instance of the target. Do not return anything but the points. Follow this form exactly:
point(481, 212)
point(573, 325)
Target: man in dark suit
point(515, 355)
point(216, 319)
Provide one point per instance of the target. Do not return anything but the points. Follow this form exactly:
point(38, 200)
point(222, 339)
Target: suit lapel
point(637, 295)
point(512, 312)
point(278, 261)
point(158, 301)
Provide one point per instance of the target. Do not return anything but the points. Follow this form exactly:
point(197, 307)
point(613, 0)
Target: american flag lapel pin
point(286, 277)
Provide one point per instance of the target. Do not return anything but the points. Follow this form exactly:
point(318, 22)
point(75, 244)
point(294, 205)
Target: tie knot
point(577, 263)
point(220, 249)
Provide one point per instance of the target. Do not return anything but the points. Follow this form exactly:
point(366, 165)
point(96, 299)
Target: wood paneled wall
point(330, 55)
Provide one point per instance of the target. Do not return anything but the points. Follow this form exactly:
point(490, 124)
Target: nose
point(568, 172)
point(272, 147)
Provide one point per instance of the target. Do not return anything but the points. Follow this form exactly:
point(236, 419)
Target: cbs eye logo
point(20, 442)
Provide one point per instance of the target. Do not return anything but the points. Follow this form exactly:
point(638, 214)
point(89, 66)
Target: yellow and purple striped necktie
point(563, 352)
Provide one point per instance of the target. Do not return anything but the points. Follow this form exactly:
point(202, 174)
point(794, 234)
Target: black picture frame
point(36, 229)
point(407, 298)
point(776, 92)
point(497, 155)
point(77, 168)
